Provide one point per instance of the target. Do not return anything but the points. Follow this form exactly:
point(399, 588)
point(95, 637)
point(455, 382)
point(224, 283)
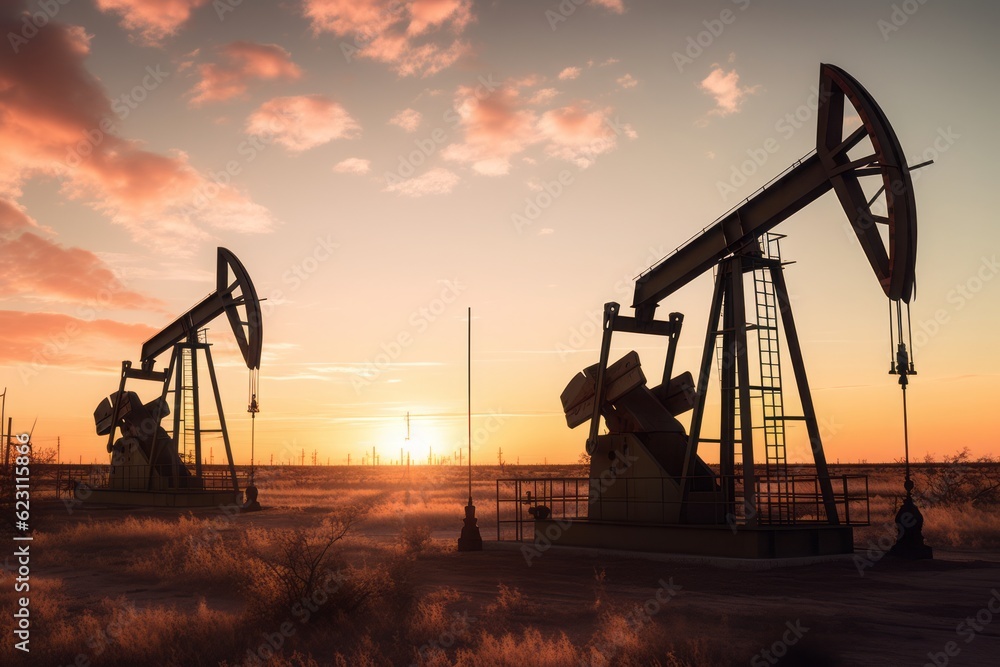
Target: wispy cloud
point(417, 38)
point(407, 119)
point(242, 63)
point(614, 6)
point(503, 125)
point(36, 268)
point(50, 101)
point(302, 122)
point(437, 181)
point(569, 73)
point(627, 81)
point(151, 21)
point(36, 340)
point(353, 165)
point(725, 89)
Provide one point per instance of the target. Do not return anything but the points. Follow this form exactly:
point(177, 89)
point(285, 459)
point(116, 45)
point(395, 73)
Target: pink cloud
point(500, 126)
point(242, 63)
point(627, 81)
point(569, 73)
point(417, 38)
point(495, 128)
point(33, 341)
point(353, 165)
point(407, 119)
point(543, 96)
point(615, 6)
point(437, 181)
point(57, 121)
point(725, 88)
point(302, 122)
point(38, 269)
point(151, 21)
point(577, 135)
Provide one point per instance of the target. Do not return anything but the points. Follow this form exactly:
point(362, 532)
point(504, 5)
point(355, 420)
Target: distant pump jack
point(146, 464)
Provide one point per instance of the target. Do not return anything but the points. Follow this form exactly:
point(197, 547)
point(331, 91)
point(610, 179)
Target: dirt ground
point(895, 614)
point(889, 613)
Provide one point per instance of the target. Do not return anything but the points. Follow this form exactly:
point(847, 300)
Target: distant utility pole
point(58, 449)
point(348, 458)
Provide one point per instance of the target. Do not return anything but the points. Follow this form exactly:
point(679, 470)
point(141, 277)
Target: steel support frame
point(614, 322)
point(729, 304)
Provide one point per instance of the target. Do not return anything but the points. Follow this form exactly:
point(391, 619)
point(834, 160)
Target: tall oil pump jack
point(147, 463)
point(650, 488)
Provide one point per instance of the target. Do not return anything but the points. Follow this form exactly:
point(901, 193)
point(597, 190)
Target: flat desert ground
point(117, 586)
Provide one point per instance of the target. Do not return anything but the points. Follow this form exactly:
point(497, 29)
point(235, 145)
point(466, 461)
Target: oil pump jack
point(650, 488)
point(146, 462)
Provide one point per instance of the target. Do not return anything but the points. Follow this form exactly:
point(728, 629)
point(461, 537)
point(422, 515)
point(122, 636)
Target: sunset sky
point(380, 166)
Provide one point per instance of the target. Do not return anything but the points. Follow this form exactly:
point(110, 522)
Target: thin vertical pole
point(3, 415)
point(469, 387)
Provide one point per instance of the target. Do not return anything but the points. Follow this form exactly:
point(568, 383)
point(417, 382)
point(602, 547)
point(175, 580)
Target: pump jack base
point(706, 540)
point(185, 498)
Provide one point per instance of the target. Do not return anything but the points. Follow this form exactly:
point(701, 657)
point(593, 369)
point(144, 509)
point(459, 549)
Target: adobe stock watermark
point(408, 163)
point(247, 151)
point(362, 40)
point(607, 479)
point(419, 321)
point(550, 191)
point(32, 22)
point(57, 344)
point(223, 7)
point(122, 106)
point(637, 618)
point(900, 15)
point(459, 629)
point(926, 329)
point(970, 628)
point(697, 44)
point(561, 12)
point(593, 322)
point(299, 272)
point(945, 138)
point(785, 127)
point(772, 654)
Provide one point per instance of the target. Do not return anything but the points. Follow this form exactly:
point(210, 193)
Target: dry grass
point(218, 589)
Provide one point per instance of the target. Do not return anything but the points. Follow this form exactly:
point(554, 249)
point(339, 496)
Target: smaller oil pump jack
point(650, 487)
point(147, 467)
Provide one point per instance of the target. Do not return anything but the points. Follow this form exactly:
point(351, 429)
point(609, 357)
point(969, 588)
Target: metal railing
point(136, 477)
point(787, 500)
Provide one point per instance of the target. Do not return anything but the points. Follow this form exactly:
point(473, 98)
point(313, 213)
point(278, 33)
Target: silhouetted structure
point(146, 463)
point(649, 486)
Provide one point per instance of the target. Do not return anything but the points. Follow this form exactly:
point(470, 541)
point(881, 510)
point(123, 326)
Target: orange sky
point(379, 170)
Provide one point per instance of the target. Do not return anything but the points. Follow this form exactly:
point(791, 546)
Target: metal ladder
point(769, 388)
point(187, 403)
